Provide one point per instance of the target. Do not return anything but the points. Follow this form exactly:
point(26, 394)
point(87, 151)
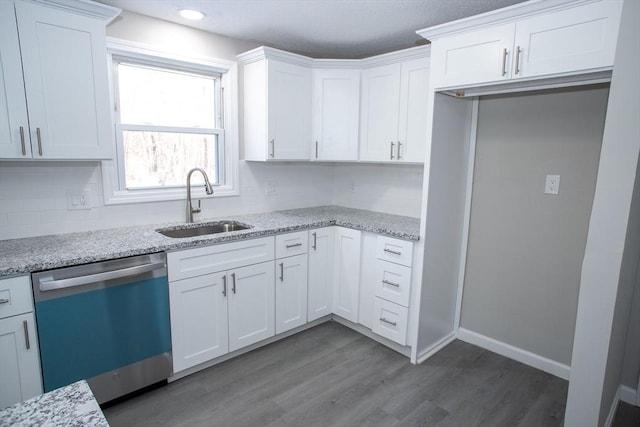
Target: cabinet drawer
point(390, 320)
point(291, 244)
point(393, 282)
point(211, 259)
point(15, 296)
point(394, 250)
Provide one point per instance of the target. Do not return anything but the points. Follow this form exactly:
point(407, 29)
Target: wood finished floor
point(332, 376)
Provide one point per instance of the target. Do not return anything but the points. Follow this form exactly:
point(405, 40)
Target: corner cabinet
point(321, 260)
point(346, 274)
point(19, 357)
point(565, 38)
point(276, 105)
point(54, 77)
point(393, 112)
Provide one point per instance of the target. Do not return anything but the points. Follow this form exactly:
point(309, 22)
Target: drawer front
point(15, 296)
point(212, 259)
point(394, 250)
point(390, 320)
point(291, 244)
point(393, 282)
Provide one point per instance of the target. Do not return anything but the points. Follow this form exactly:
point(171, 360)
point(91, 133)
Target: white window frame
point(113, 190)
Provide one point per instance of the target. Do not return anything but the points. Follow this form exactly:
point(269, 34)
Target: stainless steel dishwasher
point(105, 322)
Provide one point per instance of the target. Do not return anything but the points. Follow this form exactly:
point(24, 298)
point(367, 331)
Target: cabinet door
point(19, 360)
point(14, 125)
point(320, 293)
point(65, 75)
point(251, 304)
point(380, 113)
point(412, 130)
point(580, 38)
point(198, 320)
point(291, 292)
point(336, 104)
point(346, 276)
point(474, 57)
point(289, 110)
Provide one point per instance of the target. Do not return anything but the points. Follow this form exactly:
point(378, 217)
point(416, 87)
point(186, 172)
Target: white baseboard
point(430, 351)
point(523, 356)
point(628, 395)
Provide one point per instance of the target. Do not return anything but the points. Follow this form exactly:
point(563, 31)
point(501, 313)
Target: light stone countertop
point(68, 406)
point(23, 256)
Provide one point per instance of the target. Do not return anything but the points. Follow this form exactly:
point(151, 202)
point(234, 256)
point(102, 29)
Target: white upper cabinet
point(336, 104)
point(277, 106)
point(557, 39)
point(393, 112)
point(65, 82)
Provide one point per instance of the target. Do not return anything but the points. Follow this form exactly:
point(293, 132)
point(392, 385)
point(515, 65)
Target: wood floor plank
point(332, 376)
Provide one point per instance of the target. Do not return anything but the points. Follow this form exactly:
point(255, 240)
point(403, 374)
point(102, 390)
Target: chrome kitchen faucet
point(207, 187)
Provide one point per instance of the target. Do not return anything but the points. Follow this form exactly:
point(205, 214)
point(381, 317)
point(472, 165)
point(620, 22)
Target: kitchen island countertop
point(23, 256)
point(68, 406)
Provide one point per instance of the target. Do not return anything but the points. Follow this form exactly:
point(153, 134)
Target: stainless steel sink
point(203, 229)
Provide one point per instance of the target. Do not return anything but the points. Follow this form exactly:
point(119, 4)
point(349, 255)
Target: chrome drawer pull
point(391, 251)
point(22, 144)
point(293, 245)
point(315, 238)
point(4, 301)
point(386, 282)
point(273, 148)
point(224, 285)
point(390, 322)
point(25, 325)
point(504, 62)
point(518, 50)
point(282, 272)
point(233, 279)
point(391, 151)
point(39, 136)
point(399, 146)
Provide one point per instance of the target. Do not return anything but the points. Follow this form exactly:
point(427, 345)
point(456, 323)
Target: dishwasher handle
point(50, 285)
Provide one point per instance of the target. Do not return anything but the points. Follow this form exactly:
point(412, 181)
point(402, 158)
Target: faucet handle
point(196, 210)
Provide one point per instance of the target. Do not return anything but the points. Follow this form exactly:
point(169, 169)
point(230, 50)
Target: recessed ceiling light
point(191, 14)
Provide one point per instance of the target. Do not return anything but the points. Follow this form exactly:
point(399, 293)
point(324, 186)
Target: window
point(169, 117)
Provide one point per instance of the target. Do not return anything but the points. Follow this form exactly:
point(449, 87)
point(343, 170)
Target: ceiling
point(318, 28)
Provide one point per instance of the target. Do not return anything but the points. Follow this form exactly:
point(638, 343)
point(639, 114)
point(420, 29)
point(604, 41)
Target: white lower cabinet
point(291, 292)
point(390, 320)
point(251, 305)
point(198, 320)
point(346, 274)
point(20, 377)
point(320, 286)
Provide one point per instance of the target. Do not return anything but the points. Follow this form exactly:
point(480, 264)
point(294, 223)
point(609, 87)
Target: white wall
point(608, 267)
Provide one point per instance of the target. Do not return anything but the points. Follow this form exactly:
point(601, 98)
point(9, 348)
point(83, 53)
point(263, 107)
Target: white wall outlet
point(78, 199)
point(552, 184)
point(270, 188)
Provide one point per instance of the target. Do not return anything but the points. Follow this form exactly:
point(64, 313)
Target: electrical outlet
point(78, 199)
point(270, 188)
point(552, 184)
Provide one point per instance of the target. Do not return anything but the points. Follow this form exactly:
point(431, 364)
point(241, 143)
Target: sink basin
point(203, 229)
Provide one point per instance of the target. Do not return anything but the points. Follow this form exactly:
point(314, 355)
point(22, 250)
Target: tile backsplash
point(33, 196)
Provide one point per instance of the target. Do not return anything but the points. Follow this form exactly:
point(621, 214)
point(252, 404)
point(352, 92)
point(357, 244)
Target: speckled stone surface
point(72, 405)
point(21, 256)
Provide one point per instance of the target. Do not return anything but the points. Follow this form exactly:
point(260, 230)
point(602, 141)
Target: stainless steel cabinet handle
point(4, 301)
point(399, 145)
point(39, 136)
point(25, 325)
point(233, 279)
point(391, 251)
point(518, 50)
point(293, 245)
point(49, 285)
point(504, 62)
point(390, 322)
point(282, 272)
point(315, 238)
point(316, 149)
point(224, 285)
point(273, 148)
point(386, 282)
point(22, 144)
point(391, 152)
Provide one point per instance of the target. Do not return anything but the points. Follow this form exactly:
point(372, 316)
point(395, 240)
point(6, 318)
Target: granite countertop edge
point(24, 256)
